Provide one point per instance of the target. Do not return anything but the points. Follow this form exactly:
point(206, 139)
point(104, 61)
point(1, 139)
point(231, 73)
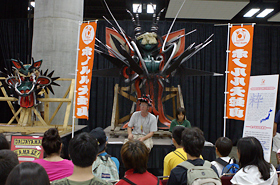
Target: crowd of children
point(90, 164)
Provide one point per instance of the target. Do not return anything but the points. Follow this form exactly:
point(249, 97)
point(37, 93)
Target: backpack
point(105, 168)
point(201, 175)
point(228, 167)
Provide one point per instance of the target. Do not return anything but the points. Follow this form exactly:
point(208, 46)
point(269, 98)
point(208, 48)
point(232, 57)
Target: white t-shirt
point(142, 125)
point(220, 167)
point(252, 176)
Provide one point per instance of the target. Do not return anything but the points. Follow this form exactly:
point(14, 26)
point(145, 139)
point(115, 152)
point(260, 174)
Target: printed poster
point(260, 110)
point(28, 148)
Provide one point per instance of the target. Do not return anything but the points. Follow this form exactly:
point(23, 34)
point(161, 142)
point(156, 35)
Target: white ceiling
point(206, 9)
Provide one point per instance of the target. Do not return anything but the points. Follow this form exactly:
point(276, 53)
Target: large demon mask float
point(27, 81)
point(147, 59)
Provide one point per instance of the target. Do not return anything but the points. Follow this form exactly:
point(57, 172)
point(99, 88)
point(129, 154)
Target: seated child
point(180, 119)
point(223, 148)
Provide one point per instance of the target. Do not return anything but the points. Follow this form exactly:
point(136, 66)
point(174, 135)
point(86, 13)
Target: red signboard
point(28, 148)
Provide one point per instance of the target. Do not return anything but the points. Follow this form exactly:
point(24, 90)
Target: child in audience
point(55, 166)
point(223, 149)
point(135, 156)
point(28, 173)
point(180, 119)
point(254, 169)
point(8, 160)
point(105, 166)
point(4, 144)
point(83, 150)
point(193, 143)
point(174, 158)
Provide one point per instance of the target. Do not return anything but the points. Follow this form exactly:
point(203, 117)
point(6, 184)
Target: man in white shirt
point(144, 123)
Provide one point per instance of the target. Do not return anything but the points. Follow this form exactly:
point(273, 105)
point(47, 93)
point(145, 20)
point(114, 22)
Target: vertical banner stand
point(76, 70)
point(226, 76)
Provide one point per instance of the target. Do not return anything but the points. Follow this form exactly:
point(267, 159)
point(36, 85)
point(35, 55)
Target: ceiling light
point(151, 8)
point(32, 3)
point(251, 12)
point(265, 12)
point(137, 8)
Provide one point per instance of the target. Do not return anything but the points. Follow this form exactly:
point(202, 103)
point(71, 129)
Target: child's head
point(193, 141)
point(224, 146)
point(181, 114)
point(177, 134)
point(250, 151)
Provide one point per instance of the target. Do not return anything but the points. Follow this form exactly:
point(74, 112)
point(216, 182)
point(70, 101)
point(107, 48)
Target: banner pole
point(226, 75)
point(74, 102)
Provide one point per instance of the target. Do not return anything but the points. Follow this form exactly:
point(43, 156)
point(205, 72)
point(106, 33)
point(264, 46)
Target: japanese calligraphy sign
point(84, 68)
point(239, 69)
point(260, 110)
point(28, 148)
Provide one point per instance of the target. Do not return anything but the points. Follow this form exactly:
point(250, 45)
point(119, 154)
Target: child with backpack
point(104, 167)
point(194, 170)
point(224, 164)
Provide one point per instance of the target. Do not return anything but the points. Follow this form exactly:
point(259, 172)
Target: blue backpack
point(228, 167)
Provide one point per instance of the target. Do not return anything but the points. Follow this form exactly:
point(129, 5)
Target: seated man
point(193, 143)
point(105, 166)
point(223, 148)
point(144, 123)
point(8, 160)
point(176, 157)
point(83, 150)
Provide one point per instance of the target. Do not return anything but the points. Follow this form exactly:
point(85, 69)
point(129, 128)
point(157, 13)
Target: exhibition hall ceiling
point(213, 11)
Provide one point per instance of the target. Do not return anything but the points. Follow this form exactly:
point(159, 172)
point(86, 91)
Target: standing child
point(180, 119)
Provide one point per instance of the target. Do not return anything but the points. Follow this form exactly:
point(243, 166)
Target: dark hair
point(251, 153)
point(28, 173)
point(4, 144)
point(193, 141)
point(83, 149)
point(179, 111)
point(51, 141)
point(224, 146)
point(8, 160)
point(135, 156)
point(177, 134)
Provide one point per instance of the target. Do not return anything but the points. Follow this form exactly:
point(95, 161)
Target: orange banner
point(239, 69)
point(84, 68)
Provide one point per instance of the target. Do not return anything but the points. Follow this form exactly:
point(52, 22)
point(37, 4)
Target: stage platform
point(162, 146)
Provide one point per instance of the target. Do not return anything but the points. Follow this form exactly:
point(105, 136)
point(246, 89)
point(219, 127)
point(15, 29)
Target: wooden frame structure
point(175, 94)
point(26, 125)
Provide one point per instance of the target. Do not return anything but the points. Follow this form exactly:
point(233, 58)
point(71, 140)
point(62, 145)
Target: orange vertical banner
point(84, 68)
point(239, 70)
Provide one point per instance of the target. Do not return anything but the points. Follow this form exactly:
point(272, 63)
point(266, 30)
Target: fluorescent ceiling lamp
point(32, 3)
point(137, 6)
point(151, 8)
point(251, 12)
point(265, 12)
